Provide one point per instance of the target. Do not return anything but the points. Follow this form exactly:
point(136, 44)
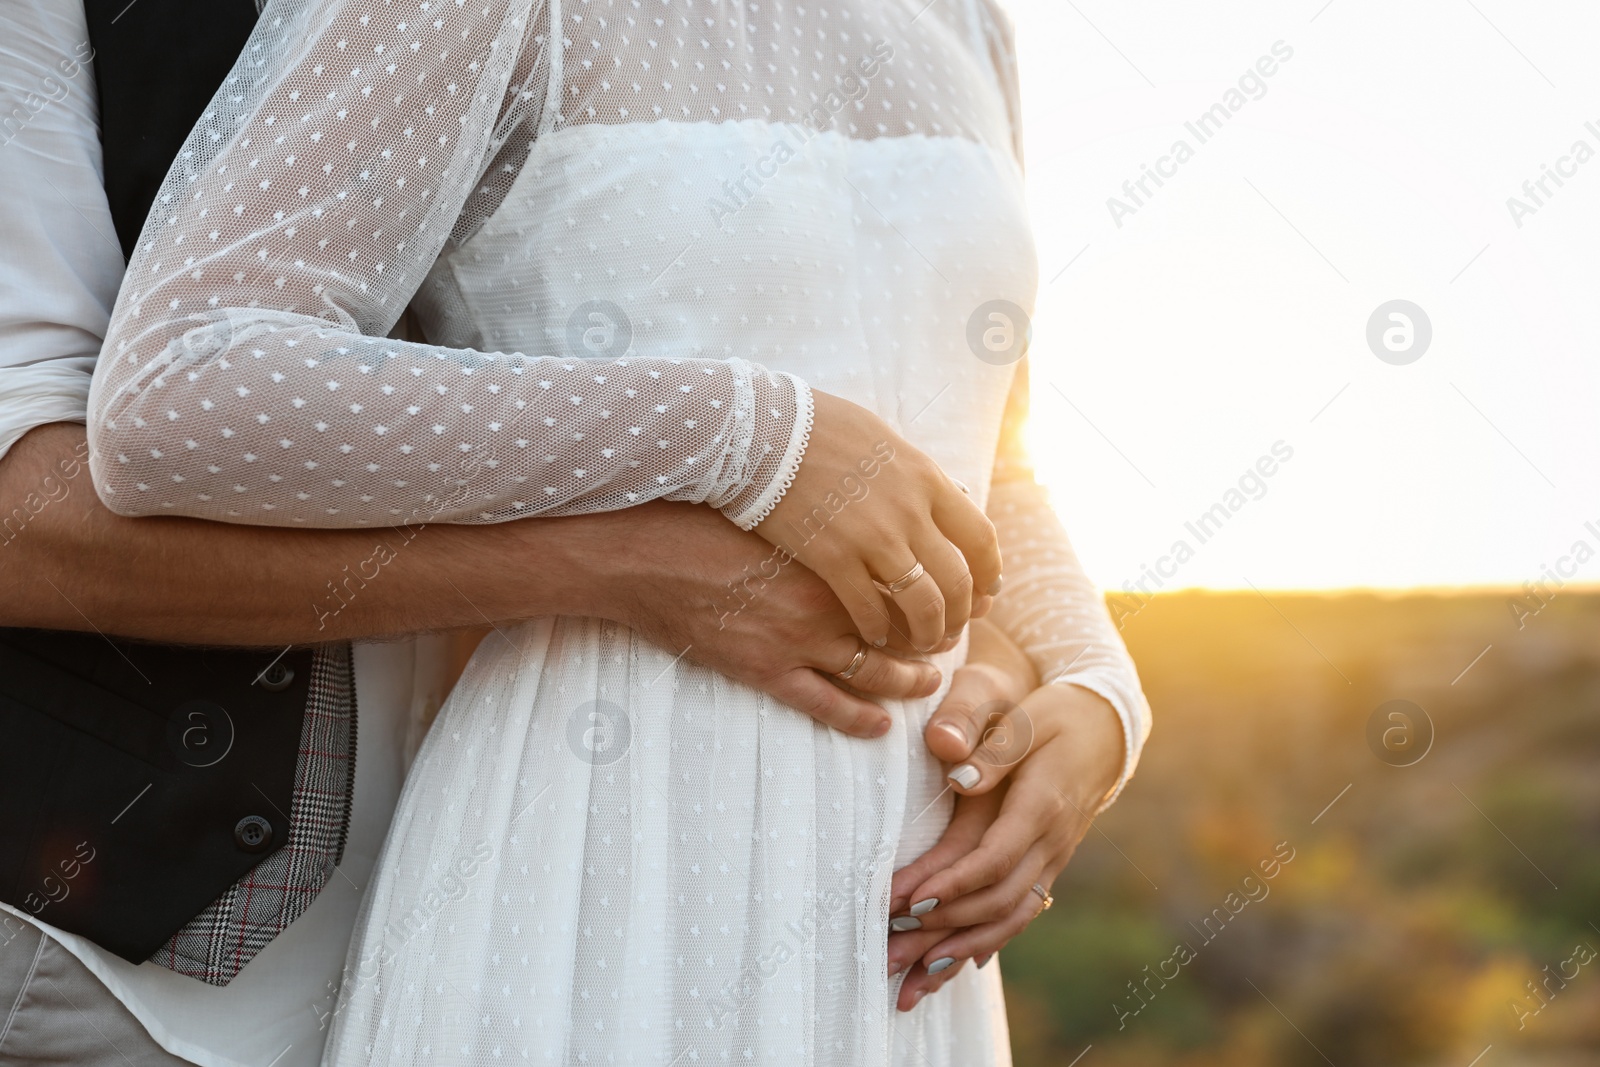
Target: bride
point(763, 256)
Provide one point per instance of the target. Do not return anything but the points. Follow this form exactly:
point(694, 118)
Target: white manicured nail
point(922, 907)
point(904, 923)
point(940, 964)
point(966, 776)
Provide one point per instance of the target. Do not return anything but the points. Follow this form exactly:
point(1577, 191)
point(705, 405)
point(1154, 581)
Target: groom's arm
point(681, 574)
point(69, 563)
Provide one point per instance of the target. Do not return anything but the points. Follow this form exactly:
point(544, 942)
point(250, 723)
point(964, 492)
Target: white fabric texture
point(53, 391)
point(59, 260)
point(326, 175)
point(632, 244)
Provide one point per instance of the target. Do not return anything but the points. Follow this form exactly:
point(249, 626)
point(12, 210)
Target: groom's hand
point(692, 582)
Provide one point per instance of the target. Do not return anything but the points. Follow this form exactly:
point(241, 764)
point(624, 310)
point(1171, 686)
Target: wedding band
point(906, 580)
point(1044, 895)
point(855, 664)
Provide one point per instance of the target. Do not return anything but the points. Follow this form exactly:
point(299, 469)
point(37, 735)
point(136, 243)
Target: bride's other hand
point(996, 671)
point(1047, 764)
point(866, 505)
point(691, 582)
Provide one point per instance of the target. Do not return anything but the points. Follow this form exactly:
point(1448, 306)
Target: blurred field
point(1419, 912)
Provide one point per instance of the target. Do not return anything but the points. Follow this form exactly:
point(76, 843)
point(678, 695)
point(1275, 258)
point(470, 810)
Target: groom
point(75, 566)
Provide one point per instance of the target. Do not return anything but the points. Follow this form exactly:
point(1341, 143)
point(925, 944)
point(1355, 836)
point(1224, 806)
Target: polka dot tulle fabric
point(353, 139)
point(634, 236)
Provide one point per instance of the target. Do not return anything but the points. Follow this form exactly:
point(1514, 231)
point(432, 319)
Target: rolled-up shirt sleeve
point(61, 264)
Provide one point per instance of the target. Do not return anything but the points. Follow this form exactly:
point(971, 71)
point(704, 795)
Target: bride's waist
point(602, 692)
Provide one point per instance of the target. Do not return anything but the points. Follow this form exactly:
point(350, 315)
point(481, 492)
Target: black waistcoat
point(156, 65)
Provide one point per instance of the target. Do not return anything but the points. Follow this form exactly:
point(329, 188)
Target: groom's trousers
point(55, 1013)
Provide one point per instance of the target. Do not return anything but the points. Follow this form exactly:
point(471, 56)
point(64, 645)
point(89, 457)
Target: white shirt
point(60, 269)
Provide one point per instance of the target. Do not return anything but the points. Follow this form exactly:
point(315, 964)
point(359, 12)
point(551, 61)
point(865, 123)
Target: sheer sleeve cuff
point(779, 399)
point(1134, 714)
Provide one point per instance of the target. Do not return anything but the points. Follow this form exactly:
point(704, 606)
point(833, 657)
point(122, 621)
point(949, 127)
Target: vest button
point(253, 833)
point(276, 678)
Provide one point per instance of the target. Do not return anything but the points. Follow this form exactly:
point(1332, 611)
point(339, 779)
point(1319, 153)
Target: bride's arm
point(1059, 757)
point(1048, 606)
point(246, 378)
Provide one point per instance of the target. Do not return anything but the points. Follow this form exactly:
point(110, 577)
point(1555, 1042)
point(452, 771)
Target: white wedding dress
point(633, 251)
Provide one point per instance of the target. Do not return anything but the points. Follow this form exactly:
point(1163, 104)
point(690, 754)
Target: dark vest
point(156, 65)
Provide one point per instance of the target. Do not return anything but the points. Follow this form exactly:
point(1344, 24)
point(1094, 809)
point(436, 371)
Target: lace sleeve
point(246, 378)
point(1049, 607)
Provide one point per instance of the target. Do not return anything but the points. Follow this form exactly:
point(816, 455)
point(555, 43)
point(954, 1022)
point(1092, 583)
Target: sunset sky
point(1228, 312)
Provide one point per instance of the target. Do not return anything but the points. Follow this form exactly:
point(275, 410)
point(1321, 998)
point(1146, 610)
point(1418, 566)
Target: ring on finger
point(906, 580)
point(1044, 895)
point(855, 664)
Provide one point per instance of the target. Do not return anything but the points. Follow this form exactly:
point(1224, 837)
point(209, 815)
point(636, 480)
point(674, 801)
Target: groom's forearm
point(67, 562)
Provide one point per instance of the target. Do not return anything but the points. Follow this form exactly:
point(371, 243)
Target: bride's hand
point(867, 505)
point(1016, 828)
